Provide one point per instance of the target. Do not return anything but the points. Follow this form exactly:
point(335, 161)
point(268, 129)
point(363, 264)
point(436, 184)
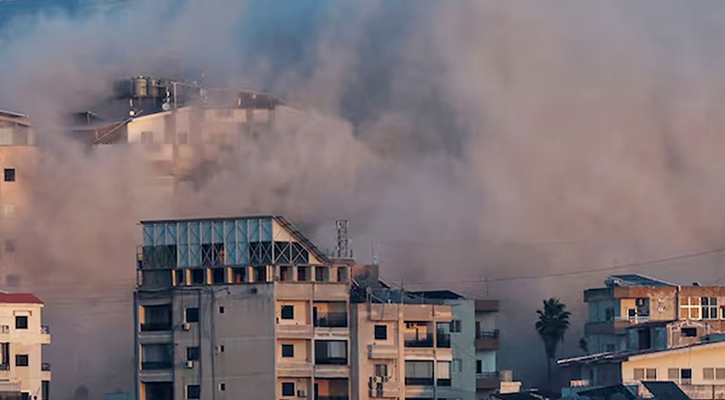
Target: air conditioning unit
point(301, 393)
point(189, 364)
point(185, 327)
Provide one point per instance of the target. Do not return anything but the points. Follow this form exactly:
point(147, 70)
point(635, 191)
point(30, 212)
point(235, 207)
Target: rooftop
point(625, 355)
point(19, 298)
point(628, 280)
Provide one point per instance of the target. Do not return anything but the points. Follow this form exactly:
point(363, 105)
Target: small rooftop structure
point(637, 280)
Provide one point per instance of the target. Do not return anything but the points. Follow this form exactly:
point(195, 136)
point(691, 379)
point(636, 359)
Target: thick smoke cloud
point(465, 142)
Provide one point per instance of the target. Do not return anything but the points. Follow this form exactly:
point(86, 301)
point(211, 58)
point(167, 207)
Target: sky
point(469, 143)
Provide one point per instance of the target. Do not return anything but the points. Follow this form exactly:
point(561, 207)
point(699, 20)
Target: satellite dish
point(166, 106)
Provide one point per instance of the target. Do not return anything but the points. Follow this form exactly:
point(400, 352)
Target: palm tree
point(551, 326)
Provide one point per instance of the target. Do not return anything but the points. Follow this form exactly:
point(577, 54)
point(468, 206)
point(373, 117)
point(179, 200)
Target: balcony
point(383, 388)
point(288, 331)
point(332, 320)
point(382, 352)
point(487, 305)
point(331, 398)
point(419, 381)
point(155, 365)
point(331, 371)
point(443, 340)
point(487, 381)
point(419, 340)
point(4, 367)
point(294, 369)
point(487, 340)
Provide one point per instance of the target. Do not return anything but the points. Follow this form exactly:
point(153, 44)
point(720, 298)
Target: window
point(288, 388)
point(456, 326)
point(192, 353)
point(21, 322)
point(708, 374)
point(193, 391)
point(303, 274)
point(288, 350)
point(689, 332)
point(649, 374)
point(479, 366)
point(221, 309)
point(9, 174)
point(222, 387)
point(198, 276)
point(381, 370)
point(709, 307)
point(381, 332)
point(221, 349)
point(238, 275)
point(443, 373)
point(219, 275)
point(419, 372)
point(690, 307)
point(21, 360)
point(322, 274)
point(288, 312)
point(686, 376)
point(180, 277)
point(331, 352)
point(192, 314)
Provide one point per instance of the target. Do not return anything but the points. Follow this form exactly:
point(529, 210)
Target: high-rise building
point(239, 308)
point(23, 374)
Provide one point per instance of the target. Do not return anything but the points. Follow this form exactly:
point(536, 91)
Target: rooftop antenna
point(375, 260)
point(342, 241)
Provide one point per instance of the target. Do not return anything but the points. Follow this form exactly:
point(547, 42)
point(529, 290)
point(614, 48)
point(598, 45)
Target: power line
point(580, 272)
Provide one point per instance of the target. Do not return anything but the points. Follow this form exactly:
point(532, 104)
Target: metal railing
point(156, 326)
point(332, 320)
point(330, 360)
point(342, 397)
point(488, 334)
point(419, 341)
point(151, 365)
point(45, 366)
point(419, 381)
point(491, 374)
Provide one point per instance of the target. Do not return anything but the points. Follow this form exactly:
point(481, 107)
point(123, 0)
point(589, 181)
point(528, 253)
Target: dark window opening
point(303, 274)
point(9, 174)
point(21, 360)
point(156, 356)
point(156, 318)
point(260, 274)
point(239, 275)
point(192, 314)
point(288, 388)
point(381, 332)
point(219, 275)
point(689, 332)
point(192, 353)
point(285, 273)
point(331, 352)
point(260, 253)
point(222, 387)
point(322, 274)
point(282, 253)
point(419, 372)
point(288, 312)
point(288, 350)
point(162, 256)
point(479, 366)
point(198, 276)
point(299, 254)
point(180, 277)
point(456, 326)
point(21, 322)
point(193, 391)
point(443, 334)
point(221, 310)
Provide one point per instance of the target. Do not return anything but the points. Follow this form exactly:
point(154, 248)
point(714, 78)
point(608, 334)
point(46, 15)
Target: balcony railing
point(419, 341)
point(487, 334)
point(45, 329)
point(45, 366)
point(341, 397)
point(155, 327)
point(330, 361)
point(419, 381)
point(151, 365)
point(332, 320)
point(492, 374)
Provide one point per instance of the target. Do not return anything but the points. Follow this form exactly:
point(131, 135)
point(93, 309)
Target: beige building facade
point(240, 307)
point(22, 337)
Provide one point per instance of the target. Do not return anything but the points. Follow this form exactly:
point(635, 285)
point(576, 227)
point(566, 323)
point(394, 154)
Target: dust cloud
point(466, 142)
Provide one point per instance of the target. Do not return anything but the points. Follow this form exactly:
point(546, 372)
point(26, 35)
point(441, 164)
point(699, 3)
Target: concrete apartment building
point(182, 127)
point(23, 374)
point(487, 344)
point(631, 301)
point(18, 157)
point(419, 345)
point(239, 308)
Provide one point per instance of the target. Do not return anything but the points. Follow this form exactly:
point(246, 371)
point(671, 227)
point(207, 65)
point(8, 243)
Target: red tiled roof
point(20, 298)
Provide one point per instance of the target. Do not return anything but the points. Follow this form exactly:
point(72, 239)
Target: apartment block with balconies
point(240, 307)
point(22, 337)
point(487, 343)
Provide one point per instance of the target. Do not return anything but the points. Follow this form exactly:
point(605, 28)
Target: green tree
point(551, 326)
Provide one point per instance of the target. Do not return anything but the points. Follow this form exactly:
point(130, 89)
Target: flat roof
point(635, 280)
point(626, 355)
